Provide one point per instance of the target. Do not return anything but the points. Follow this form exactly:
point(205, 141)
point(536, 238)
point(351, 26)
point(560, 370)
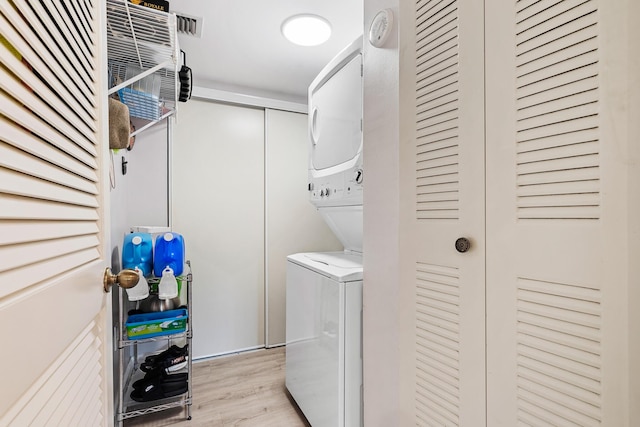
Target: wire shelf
point(143, 51)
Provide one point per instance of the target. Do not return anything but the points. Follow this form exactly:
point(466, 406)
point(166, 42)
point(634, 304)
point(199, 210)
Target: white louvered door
point(449, 164)
point(52, 215)
point(533, 325)
point(557, 248)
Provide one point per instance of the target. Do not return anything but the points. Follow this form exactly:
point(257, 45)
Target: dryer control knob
point(358, 176)
point(326, 192)
point(322, 193)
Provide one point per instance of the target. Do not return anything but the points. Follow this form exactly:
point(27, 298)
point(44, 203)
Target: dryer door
point(335, 117)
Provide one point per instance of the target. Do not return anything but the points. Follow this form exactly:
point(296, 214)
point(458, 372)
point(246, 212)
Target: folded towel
point(119, 124)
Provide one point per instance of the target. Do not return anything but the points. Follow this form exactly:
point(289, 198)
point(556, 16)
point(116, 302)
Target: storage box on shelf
point(172, 328)
point(149, 325)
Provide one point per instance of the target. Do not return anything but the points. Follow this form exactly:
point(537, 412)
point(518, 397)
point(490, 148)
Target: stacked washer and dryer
point(324, 290)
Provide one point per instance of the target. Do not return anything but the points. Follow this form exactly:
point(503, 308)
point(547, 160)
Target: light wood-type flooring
point(245, 389)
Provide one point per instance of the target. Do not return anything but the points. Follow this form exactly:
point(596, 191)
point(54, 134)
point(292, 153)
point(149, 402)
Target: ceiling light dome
point(306, 30)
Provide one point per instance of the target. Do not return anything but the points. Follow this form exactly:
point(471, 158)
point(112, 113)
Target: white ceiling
point(242, 49)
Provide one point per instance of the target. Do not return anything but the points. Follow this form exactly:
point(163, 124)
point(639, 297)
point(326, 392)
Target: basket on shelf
point(142, 96)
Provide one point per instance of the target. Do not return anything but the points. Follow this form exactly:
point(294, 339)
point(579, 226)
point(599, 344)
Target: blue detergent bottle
point(137, 251)
point(169, 252)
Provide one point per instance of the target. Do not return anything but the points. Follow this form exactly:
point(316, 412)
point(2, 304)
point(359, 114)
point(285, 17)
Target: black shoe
point(159, 390)
point(159, 377)
point(172, 356)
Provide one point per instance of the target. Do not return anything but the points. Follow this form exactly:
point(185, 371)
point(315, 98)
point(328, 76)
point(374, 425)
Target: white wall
point(140, 196)
point(382, 230)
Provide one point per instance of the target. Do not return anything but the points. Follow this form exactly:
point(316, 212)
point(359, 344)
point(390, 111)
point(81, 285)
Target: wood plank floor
point(246, 389)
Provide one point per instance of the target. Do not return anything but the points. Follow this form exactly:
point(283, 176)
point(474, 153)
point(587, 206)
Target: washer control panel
point(344, 188)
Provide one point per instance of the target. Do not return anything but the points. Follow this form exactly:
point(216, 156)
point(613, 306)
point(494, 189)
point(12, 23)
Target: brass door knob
point(125, 279)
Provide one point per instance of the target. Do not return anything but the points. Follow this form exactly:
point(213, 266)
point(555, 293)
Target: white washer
point(324, 345)
point(324, 290)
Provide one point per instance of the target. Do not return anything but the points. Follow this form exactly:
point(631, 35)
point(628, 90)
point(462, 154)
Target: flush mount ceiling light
point(306, 30)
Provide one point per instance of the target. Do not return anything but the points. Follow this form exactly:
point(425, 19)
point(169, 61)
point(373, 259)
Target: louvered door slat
point(15, 232)
point(79, 19)
point(28, 143)
point(68, 377)
point(574, 100)
point(570, 176)
point(34, 83)
point(559, 337)
point(549, 370)
point(578, 330)
point(574, 397)
point(445, 158)
point(62, 379)
point(541, 11)
point(15, 207)
point(442, 145)
point(559, 164)
point(573, 59)
point(23, 185)
point(563, 365)
point(568, 46)
point(554, 125)
point(21, 116)
point(17, 160)
point(446, 171)
point(34, 103)
point(20, 255)
point(581, 85)
point(447, 367)
point(580, 136)
point(55, 41)
point(590, 200)
point(88, 406)
point(560, 409)
point(87, 10)
point(44, 62)
point(87, 368)
point(446, 86)
point(561, 78)
point(450, 196)
point(561, 152)
point(61, 19)
point(535, 308)
point(574, 187)
point(559, 18)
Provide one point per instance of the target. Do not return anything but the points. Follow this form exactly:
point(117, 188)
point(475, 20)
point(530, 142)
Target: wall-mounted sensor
point(381, 27)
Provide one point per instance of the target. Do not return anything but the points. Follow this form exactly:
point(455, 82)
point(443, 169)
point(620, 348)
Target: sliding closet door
point(448, 214)
point(293, 224)
point(218, 205)
point(557, 175)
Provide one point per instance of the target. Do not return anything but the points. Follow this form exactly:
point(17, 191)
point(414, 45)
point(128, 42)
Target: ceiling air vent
point(189, 25)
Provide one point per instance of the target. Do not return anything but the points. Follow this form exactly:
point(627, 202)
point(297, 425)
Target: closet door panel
point(293, 224)
point(218, 205)
point(557, 281)
point(448, 160)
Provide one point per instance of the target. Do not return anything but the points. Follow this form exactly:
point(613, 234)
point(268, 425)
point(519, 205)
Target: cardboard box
point(161, 5)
